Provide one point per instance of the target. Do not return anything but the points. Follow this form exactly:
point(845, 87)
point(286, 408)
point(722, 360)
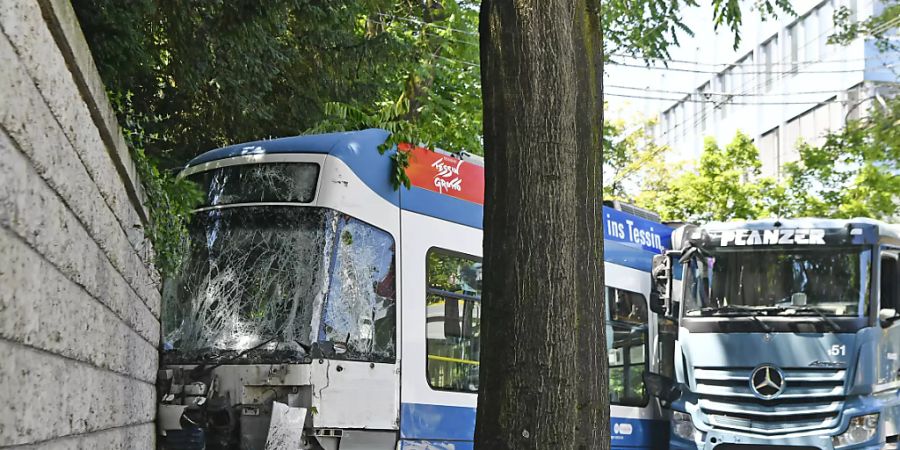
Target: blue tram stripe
point(453, 427)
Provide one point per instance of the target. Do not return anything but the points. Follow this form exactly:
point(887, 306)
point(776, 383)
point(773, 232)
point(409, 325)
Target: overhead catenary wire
point(458, 41)
point(756, 83)
point(727, 65)
point(717, 72)
point(684, 100)
point(428, 24)
point(704, 113)
point(684, 94)
point(772, 76)
point(724, 65)
point(716, 93)
point(885, 26)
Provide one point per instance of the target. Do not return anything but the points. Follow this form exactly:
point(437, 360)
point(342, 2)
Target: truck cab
point(787, 335)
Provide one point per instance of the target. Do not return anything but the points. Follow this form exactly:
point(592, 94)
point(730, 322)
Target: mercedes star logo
point(767, 382)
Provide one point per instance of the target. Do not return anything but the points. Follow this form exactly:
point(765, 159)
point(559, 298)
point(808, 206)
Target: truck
point(320, 308)
point(780, 334)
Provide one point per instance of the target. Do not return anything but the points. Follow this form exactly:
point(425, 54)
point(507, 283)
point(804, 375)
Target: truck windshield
point(291, 277)
point(778, 281)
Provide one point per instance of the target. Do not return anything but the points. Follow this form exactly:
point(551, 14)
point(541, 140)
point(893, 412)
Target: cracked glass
point(249, 183)
point(273, 283)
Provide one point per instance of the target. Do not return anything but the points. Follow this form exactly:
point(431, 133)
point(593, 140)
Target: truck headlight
point(683, 427)
point(861, 429)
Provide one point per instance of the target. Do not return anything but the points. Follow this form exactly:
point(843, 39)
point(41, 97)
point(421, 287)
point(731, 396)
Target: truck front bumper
point(715, 439)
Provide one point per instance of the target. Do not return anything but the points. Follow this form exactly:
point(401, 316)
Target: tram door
point(441, 318)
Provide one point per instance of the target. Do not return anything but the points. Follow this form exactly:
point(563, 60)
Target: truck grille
point(812, 400)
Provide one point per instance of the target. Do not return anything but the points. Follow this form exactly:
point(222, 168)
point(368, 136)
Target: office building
point(783, 84)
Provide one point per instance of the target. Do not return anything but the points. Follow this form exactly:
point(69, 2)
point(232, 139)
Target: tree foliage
point(854, 173)
point(648, 28)
point(204, 74)
point(725, 184)
point(880, 28)
point(631, 158)
point(169, 198)
point(189, 76)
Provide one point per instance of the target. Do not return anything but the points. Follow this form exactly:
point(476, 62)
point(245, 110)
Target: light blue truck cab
point(787, 335)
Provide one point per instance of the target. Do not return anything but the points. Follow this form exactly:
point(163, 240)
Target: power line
point(717, 93)
point(470, 44)
point(703, 115)
point(756, 83)
point(792, 72)
point(682, 69)
point(745, 64)
point(882, 27)
point(885, 26)
point(429, 24)
point(753, 84)
point(725, 66)
point(458, 61)
point(635, 167)
point(684, 100)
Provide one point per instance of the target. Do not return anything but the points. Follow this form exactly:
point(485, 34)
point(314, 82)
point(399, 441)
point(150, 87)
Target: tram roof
point(327, 143)
point(359, 150)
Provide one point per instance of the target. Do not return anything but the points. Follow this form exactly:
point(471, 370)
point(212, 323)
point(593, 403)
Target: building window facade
point(768, 50)
point(769, 148)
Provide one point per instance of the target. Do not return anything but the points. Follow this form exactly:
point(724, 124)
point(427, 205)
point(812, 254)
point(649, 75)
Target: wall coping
point(66, 30)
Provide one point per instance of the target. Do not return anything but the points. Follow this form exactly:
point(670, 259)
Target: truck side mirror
point(657, 304)
point(661, 276)
point(887, 317)
point(662, 387)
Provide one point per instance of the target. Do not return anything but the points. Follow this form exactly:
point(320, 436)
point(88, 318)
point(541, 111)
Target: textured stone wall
point(79, 304)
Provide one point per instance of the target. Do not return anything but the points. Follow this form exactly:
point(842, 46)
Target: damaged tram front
point(289, 326)
point(283, 325)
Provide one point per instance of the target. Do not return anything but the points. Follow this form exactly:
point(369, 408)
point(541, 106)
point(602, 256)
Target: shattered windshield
point(265, 182)
point(292, 278)
point(778, 281)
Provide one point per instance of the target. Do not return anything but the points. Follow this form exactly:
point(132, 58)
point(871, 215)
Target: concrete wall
point(79, 303)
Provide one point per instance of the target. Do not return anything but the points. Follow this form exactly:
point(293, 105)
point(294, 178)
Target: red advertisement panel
point(444, 174)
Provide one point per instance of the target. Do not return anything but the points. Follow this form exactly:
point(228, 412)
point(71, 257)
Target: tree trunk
point(543, 352)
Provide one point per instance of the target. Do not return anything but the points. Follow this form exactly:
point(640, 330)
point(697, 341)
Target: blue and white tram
point(320, 308)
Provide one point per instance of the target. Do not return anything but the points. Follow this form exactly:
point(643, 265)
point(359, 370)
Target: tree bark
point(544, 381)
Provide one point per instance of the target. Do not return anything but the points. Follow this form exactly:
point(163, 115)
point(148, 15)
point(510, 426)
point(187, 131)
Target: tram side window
point(452, 320)
point(628, 349)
